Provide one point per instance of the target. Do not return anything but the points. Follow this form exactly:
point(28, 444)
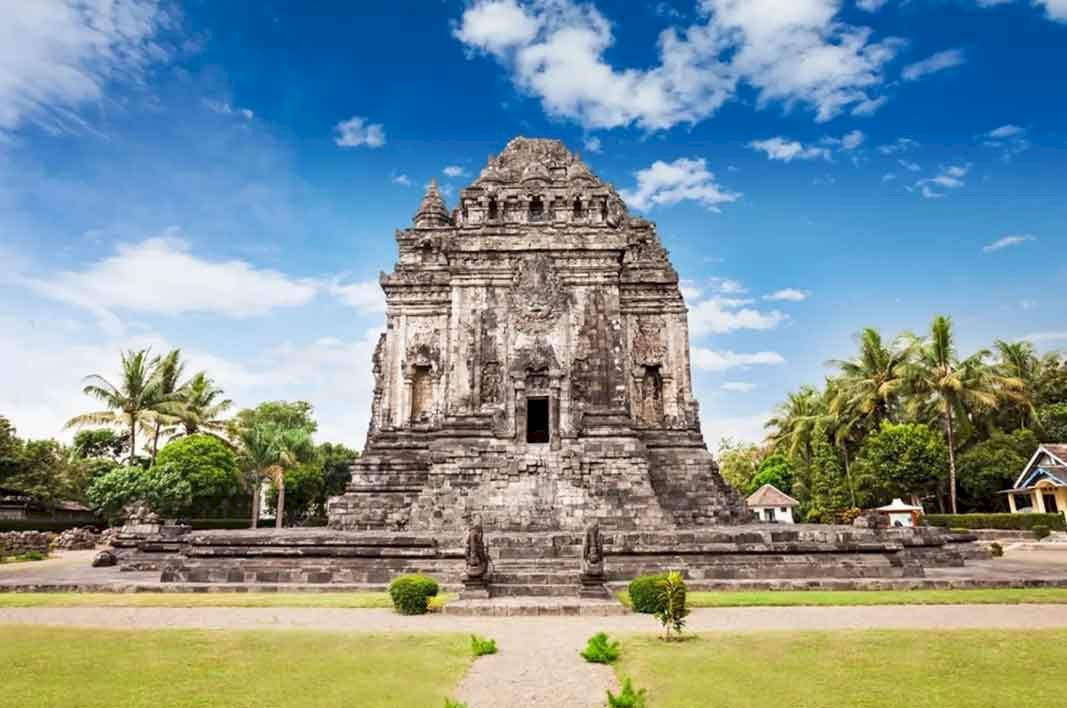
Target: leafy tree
point(869, 386)
point(830, 494)
point(1053, 420)
point(167, 370)
point(111, 492)
point(901, 460)
point(336, 473)
point(992, 466)
point(1017, 361)
point(304, 484)
point(791, 428)
point(268, 448)
point(132, 403)
point(285, 414)
point(774, 469)
point(10, 450)
point(738, 462)
point(941, 382)
point(206, 464)
point(1051, 385)
point(100, 443)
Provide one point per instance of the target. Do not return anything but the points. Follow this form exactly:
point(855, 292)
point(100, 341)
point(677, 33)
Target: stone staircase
point(553, 577)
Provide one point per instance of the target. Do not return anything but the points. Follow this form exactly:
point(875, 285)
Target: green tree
point(830, 493)
point(902, 460)
point(100, 443)
point(1051, 385)
point(954, 388)
point(1017, 362)
point(267, 450)
point(167, 370)
point(206, 464)
point(10, 450)
point(111, 492)
point(739, 461)
point(776, 470)
point(992, 465)
point(132, 403)
point(869, 386)
point(202, 406)
point(304, 485)
point(1053, 419)
point(337, 461)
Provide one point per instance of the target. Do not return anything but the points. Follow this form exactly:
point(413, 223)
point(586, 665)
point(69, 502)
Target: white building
point(770, 504)
point(901, 514)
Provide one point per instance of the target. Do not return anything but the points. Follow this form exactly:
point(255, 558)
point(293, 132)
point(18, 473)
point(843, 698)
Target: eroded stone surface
point(534, 371)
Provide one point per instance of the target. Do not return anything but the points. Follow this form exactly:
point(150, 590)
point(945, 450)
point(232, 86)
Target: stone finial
point(432, 211)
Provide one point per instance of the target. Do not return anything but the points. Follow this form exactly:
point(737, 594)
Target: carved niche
point(537, 295)
point(648, 356)
point(648, 347)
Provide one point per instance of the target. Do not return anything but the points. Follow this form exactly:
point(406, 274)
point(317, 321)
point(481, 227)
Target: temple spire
point(432, 211)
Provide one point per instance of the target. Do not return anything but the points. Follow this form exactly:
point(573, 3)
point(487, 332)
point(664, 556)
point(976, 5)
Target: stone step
point(533, 590)
point(534, 577)
point(534, 606)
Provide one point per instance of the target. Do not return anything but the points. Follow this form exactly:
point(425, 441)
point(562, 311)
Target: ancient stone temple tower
point(534, 371)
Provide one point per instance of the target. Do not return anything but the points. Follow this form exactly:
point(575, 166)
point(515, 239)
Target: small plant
point(628, 697)
point(672, 611)
point(449, 703)
point(38, 556)
point(480, 646)
point(1041, 532)
point(600, 650)
point(411, 593)
point(996, 549)
point(644, 593)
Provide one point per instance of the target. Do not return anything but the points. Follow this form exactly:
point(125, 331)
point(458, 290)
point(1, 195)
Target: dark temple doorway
point(537, 420)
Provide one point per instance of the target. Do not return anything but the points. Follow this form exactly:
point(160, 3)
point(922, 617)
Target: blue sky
point(227, 177)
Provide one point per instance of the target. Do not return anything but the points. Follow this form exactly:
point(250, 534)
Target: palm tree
point(267, 449)
point(792, 427)
point(167, 411)
point(953, 388)
point(869, 386)
point(1021, 368)
point(131, 403)
point(202, 406)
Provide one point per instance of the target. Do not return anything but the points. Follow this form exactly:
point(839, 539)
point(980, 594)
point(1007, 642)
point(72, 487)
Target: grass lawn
point(357, 600)
point(862, 669)
point(788, 598)
point(90, 668)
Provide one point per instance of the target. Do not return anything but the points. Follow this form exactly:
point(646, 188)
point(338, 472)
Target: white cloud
point(715, 361)
point(738, 386)
point(1054, 9)
point(934, 63)
point(792, 53)
point(59, 55)
point(728, 286)
point(1005, 131)
point(663, 184)
point(1008, 242)
point(356, 131)
point(789, 295)
point(365, 295)
point(950, 177)
point(721, 315)
point(401, 179)
point(889, 176)
point(852, 140)
point(224, 108)
point(454, 171)
point(160, 275)
point(592, 144)
point(1045, 337)
point(689, 289)
point(871, 5)
point(897, 146)
point(1011, 139)
point(779, 148)
point(740, 428)
point(909, 166)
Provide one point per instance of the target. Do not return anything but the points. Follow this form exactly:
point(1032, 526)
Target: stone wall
point(15, 543)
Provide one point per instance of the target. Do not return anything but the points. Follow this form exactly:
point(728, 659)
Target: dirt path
point(537, 661)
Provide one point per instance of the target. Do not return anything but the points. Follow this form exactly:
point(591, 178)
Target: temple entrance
point(421, 393)
point(537, 420)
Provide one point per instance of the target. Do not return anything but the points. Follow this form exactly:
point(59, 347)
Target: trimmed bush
point(645, 593)
point(996, 549)
point(1055, 522)
point(411, 593)
point(480, 646)
point(1041, 531)
point(600, 650)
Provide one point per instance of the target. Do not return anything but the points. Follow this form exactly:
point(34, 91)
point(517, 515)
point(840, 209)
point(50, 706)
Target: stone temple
point(534, 370)
point(533, 385)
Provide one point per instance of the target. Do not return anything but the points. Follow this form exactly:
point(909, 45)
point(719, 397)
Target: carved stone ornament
point(593, 552)
point(477, 556)
point(648, 349)
point(537, 295)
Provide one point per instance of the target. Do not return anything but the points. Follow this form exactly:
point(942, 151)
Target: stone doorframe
point(537, 384)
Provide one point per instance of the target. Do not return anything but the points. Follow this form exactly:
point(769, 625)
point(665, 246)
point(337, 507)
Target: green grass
point(791, 598)
point(92, 668)
point(23, 558)
point(863, 669)
point(355, 600)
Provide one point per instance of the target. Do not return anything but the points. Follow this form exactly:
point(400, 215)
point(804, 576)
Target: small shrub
point(38, 556)
point(600, 650)
point(644, 593)
point(672, 611)
point(480, 646)
point(628, 697)
point(996, 549)
point(1041, 532)
point(449, 703)
point(411, 593)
